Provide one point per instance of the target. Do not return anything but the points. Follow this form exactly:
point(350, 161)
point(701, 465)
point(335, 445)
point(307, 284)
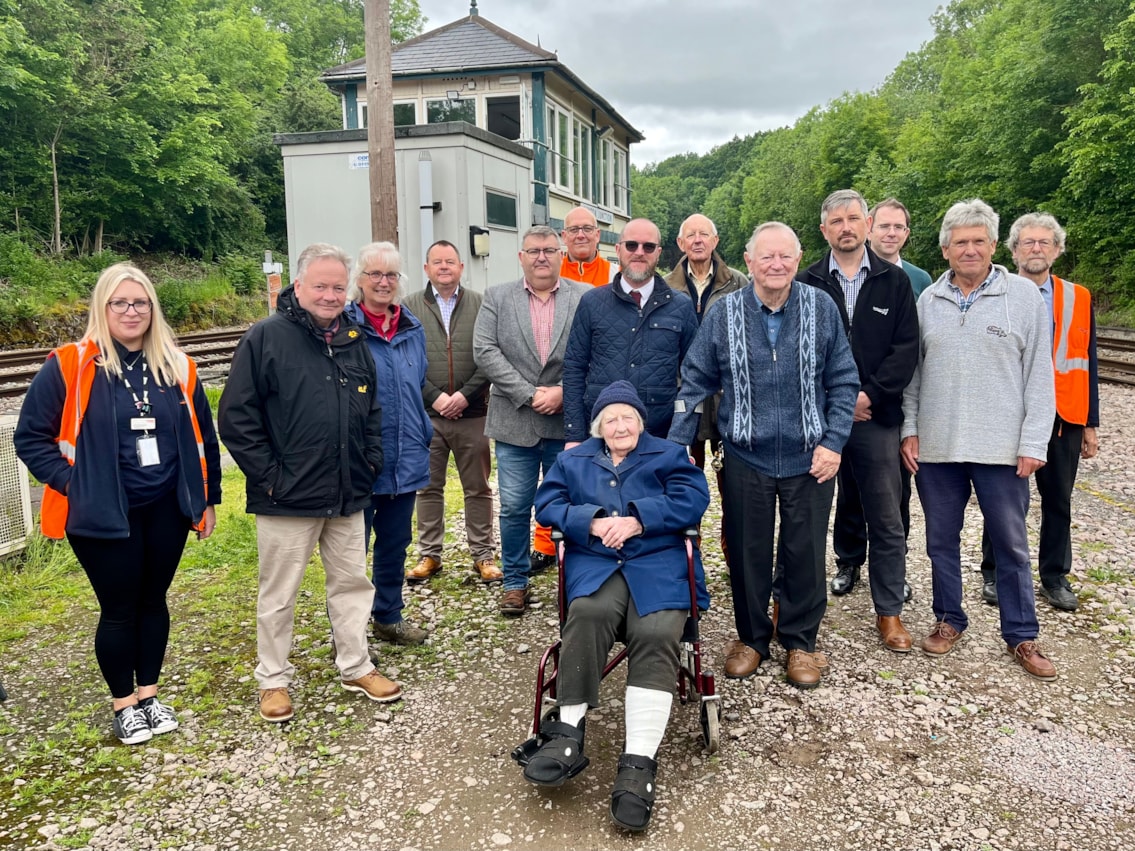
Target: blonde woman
point(119, 430)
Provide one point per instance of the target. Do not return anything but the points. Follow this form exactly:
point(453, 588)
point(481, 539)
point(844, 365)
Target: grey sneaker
point(160, 717)
point(131, 727)
point(399, 633)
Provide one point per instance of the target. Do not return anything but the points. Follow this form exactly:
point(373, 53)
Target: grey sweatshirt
point(983, 390)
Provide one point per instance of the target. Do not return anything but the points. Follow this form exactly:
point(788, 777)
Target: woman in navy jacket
point(623, 500)
point(119, 430)
point(398, 344)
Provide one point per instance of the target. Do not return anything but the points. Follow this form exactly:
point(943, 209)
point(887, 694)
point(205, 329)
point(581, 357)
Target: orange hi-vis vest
point(1071, 336)
point(78, 365)
point(596, 272)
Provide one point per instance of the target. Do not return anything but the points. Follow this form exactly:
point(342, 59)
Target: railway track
point(211, 349)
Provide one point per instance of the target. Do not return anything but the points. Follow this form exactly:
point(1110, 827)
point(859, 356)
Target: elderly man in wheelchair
point(622, 500)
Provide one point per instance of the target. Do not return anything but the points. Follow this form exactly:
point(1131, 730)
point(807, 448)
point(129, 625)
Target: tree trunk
point(98, 237)
point(380, 123)
point(57, 234)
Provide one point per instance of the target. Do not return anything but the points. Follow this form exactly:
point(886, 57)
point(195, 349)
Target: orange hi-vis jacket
point(597, 272)
point(1071, 338)
point(78, 365)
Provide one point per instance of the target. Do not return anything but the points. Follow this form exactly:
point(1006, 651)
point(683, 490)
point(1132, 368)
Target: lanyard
point(143, 404)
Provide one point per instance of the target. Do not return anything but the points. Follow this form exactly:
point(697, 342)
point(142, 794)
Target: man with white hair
point(1036, 240)
point(977, 418)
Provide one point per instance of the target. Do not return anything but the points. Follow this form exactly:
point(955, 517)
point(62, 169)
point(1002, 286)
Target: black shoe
point(907, 592)
point(989, 592)
point(538, 562)
point(846, 578)
point(1061, 597)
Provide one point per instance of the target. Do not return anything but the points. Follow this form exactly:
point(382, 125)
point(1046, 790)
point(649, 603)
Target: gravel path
point(893, 751)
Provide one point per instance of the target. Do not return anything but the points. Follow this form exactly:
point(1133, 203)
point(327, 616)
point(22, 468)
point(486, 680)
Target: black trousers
point(1054, 481)
point(130, 577)
point(751, 502)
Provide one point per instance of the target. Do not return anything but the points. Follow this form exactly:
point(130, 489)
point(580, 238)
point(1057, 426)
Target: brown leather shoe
point(514, 603)
point(1036, 664)
point(802, 670)
point(275, 705)
point(488, 570)
point(941, 639)
point(426, 568)
point(895, 636)
point(741, 660)
point(820, 660)
point(375, 687)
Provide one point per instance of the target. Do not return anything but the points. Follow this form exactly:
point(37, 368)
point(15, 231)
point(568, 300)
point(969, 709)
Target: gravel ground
point(893, 751)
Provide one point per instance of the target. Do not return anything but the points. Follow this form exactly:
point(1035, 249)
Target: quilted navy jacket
point(612, 339)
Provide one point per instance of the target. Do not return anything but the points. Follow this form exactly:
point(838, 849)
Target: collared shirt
point(646, 290)
point(1046, 292)
point(446, 305)
point(965, 302)
point(542, 312)
point(376, 320)
point(773, 319)
point(701, 283)
point(850, 286)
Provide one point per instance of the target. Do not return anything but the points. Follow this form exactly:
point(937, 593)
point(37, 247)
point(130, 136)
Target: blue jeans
point(518, 471)
point(1004, 499)
point(389, 516)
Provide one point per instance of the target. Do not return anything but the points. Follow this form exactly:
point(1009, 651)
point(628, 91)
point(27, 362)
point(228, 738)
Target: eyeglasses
point(121, 305)
point(576, 230)
point(633, 245)
point(538, 252)
point(378, 276)
point(895, 228)
point(1036, 243)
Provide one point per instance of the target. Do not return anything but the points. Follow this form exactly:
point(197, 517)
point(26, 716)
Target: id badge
point(148, 451)
point(142, 423)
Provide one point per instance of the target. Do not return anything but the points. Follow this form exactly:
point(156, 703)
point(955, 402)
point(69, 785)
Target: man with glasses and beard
point(636, 328)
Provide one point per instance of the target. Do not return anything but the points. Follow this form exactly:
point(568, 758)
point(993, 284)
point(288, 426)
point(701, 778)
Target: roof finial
point(473, 9)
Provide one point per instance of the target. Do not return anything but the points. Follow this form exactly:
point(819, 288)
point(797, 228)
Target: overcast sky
point(692, 74)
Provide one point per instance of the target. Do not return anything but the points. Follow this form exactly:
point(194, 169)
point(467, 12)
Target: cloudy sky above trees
point(691, 74)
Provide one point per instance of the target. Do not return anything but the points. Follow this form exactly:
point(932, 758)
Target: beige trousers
point(285, 545)
point(466, 440)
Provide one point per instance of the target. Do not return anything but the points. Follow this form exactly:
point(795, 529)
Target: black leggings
point(130, 577)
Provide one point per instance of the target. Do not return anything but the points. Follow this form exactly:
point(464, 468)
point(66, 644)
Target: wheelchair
point(693, 679)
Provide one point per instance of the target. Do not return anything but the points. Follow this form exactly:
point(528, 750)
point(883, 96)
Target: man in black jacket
point(300, 416)
point(878, 309)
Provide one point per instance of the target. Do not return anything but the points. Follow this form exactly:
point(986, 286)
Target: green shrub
point(243, 272)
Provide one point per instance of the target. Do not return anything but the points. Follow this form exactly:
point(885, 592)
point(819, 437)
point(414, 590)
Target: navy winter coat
point(655, 483)
point(406, 428)
point(611, 340)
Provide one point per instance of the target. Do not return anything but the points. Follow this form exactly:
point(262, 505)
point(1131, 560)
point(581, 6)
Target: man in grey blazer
point(518, 343)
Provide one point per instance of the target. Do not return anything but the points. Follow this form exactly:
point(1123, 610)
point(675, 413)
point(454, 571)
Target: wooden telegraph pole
point(380, 123)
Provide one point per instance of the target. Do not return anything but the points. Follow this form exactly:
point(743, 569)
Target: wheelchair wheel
point(711, 725)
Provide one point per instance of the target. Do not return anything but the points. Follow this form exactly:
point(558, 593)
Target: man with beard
point(636, 328)
point(1036, 240)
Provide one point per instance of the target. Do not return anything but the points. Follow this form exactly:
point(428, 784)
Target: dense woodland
point(144, 126)
point(1029, 104)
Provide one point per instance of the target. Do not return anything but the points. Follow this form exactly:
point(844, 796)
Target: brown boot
point(802, 670)
point(895, 636)
point(275, 705)
point(426, 568)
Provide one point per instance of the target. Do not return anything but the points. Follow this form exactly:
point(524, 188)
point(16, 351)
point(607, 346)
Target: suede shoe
point(989, 593)
point(275, 705)
point(375, 687)
point(941, 639)
point(426, 568)
point(845, 579)
point(1061, 597)
point(539, 562)
point(1027, 654)
point(801, 669)
point(741, 660)
point(894, 634)
point(399, 632)
point(488, 570)
point(514, 603)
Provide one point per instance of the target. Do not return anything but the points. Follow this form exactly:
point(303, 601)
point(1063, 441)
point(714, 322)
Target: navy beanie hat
point(619, 393)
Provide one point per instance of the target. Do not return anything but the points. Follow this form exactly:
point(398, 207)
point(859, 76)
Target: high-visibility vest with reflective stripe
point(1071, 335)
point(597, 272)
point(78, 365)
